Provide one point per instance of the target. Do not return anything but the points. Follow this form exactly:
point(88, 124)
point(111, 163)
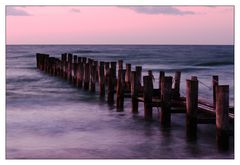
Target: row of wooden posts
point(112, 78)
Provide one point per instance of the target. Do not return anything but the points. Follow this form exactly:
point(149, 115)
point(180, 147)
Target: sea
point(48, 118)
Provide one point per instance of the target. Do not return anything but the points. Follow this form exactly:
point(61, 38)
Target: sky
point(120, 25)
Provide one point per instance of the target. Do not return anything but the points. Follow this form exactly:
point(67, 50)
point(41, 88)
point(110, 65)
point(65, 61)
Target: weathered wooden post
point(120, 89)
point(222, 119)
point(84, 60)
point(75, 58)
point(74, 70)
point(86, 76)
point(166, 93)
point(81, 74)
point(54, 67)
point(51, 66)
point(69, 71)
point(39, 60)
point(42, 61)
point(139, 75)
point(161, 77)
point(177, 80)
point(106, 71)
point(46, 63)
point(78, 74)
point(101, 79)
point(151, 74)
point(57, 67)
point(63, 65)
point(128, 77)
point(191, 108)
point(110, 97)
point(90, 62)
point(120, 64)
point(114, 65)
point(147, 95)
point(96, 65)
point(93, 78)
point(79, 59)
point(134, 91)
point(74, 77)
point(214, 85)
point(38, 57)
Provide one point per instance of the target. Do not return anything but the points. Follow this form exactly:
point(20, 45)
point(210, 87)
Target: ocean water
point(46, 117)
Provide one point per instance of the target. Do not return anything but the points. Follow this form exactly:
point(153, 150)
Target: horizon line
point(112, 44)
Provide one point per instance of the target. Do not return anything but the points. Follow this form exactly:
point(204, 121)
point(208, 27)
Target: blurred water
point(48, 118)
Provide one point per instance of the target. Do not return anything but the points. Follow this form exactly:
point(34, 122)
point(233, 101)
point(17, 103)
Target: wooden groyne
point(115, 82)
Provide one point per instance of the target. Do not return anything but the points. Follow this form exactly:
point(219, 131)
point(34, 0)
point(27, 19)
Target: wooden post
point(134, 91)
point(75, 58)
point(106, 71)
point(120, 64)
point(101, 79)
point(147, 95)
point(214, 85)
point(128, 77)
point(79, 59)
point(86, 76)
point(39, 60)
point(57, 68)
point(93, 78)
point(46, 62)
point(177, 80)
point(49, 67)
point(120, 89)
point(69, 71)
point(81, 74)
point(161, 77)
point(38, 57)
point(84, 59)
point(139, 75)
point(43, 62)
point(191, 108)
point(74, 77)
point(63, 65)
point(90, 62)
point(66, 70)
point(113, 66)
point(110, 97)
point(166, 92)
point(55, 62)
point(151, 74)
point(96, 65)
point(222, 119)
point(78, 74)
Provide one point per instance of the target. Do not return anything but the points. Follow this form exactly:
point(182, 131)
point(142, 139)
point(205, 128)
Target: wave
point(215, 63)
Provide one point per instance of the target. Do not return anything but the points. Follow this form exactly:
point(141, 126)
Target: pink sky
point(119, 25)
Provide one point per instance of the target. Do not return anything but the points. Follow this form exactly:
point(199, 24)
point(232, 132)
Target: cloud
point(167, 10)
point(74, 10)
point(13, 11)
